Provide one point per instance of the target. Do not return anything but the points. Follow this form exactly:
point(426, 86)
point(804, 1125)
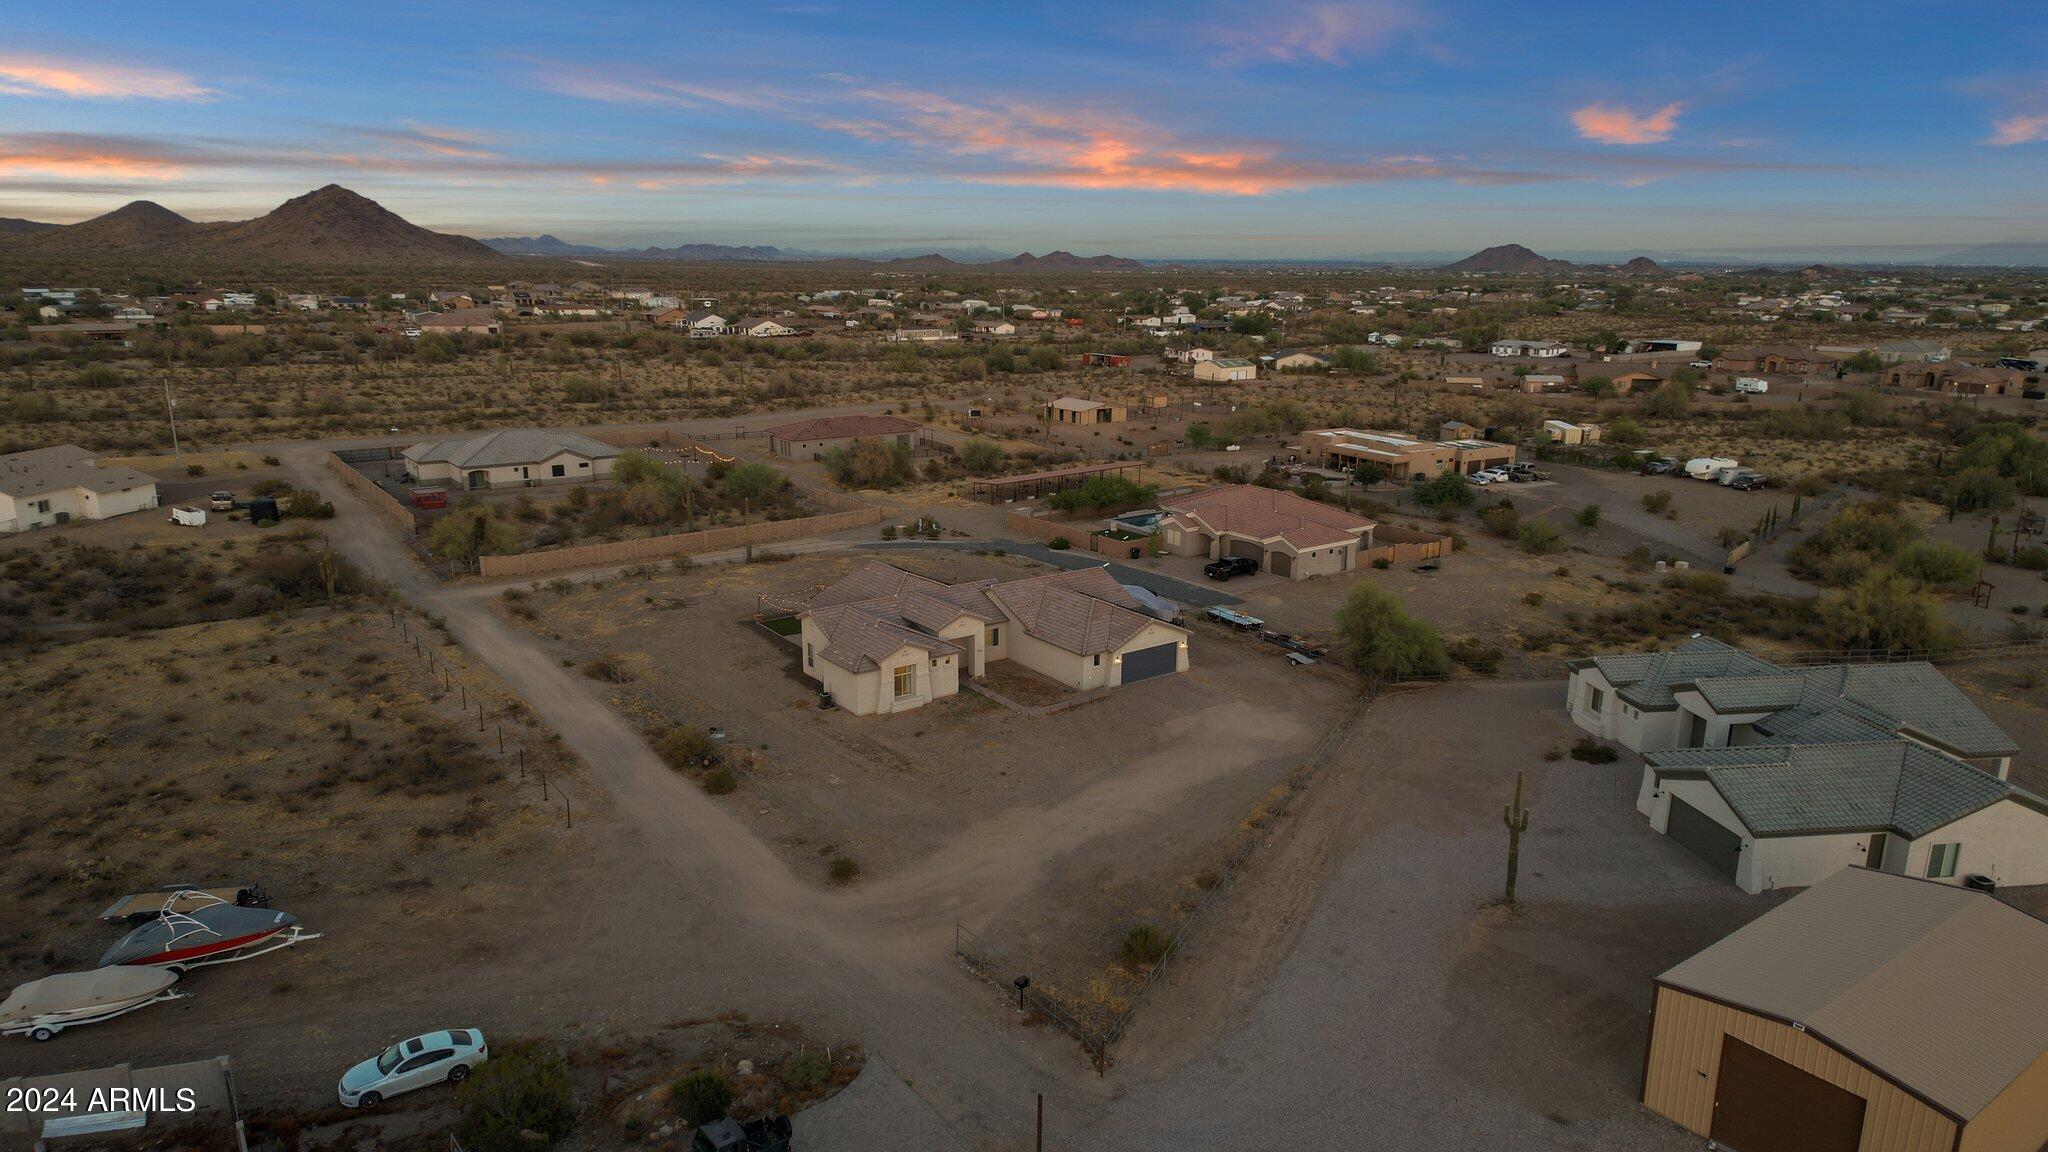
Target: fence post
point(479, 715)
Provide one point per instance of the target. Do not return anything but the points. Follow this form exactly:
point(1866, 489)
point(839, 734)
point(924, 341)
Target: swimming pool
point(1142, 521)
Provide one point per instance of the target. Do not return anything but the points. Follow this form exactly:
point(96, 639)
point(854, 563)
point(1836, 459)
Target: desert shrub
point(1145, 946)
point(1656, 503)
point(470, 532)
point(1980, 489)
point(981, 457)
point(521, 1089)
point(1669, 401)
point(2033, 558)
point(702, 1096)
point(1501, 520)
point(1380, 639)
point(685, 746)
point(721, 782)
point(1884, 611)
point(873, 463)
point(1931, 562)
point(1589, 516)
point(1059, 543)
point(1592, 751)
point(1859, 538)
point(806, 1070)
point(753, 482)
point(1447, 492)
point(1475, 655)
point(1382, 563)
point(1113, 491)
point(843, 870)
point(607, 668)
point(1538, 537)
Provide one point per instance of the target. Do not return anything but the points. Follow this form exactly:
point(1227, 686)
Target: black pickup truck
point(1230, 566)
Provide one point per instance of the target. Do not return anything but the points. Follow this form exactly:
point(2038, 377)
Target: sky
point(1200, 128)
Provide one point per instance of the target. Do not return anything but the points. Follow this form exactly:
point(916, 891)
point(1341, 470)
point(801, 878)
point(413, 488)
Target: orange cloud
point(22, 75)
point(84, 158)
point(1609, 124)
point(2022, 129)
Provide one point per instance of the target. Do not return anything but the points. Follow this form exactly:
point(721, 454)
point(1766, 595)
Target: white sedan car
point(434, 1058)
point(1489, 476)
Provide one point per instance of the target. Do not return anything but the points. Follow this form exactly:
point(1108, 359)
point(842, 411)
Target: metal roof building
point(1871, 1013)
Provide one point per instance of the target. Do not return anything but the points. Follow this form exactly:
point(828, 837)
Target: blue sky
point(1318, 128)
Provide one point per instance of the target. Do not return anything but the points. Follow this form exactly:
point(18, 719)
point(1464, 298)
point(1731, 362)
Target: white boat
point(42, 1008)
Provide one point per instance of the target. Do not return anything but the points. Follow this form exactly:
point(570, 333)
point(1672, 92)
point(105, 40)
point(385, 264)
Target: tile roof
point(1265, 513)
point(1926, 983)
point(1646, 679)
point(1084, 611)
point(1911, 698)
point(839, 427)
point(857, 639)
point(60, 467)
point(1805, 789)
point(511, 446)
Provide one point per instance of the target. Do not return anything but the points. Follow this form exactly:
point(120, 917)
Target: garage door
point(1145, 663)
point(1762, 1104)
point(1283, 565)
point(1699, 832)
point(1249, 548)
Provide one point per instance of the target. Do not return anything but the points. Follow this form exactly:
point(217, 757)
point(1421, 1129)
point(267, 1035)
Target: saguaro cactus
point(1516, 818)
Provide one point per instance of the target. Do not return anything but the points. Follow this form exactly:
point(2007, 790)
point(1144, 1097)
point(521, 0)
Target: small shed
point(1871, 1013)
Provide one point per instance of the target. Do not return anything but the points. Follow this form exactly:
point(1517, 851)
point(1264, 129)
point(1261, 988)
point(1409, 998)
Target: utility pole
point(171, 411)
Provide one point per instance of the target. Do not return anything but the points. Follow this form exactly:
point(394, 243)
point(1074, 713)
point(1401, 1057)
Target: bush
point(686, 746)
point(1145, 946)
point(2033, 558)
point(1059, 543)
point(1477, 656)
point(1885, 611)
point(1501, 520)
point(1538, 537)
point(1113, 491)
point(720, 782)
point(1447, 492)
point(1589, 516)
point(470, 532)
point(701, 1097)
point(873, 463)
point(1592, 751)
point(806, 1070)
point(1859, 538)
point(1934, 563)
point(843, 870)
point(1382, 563)
point(1380, 639)
point(1656, 503)
point(608, 669)
point(981, 457)
point(520, 1089)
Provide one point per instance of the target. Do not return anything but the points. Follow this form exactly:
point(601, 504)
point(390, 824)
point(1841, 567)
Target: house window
point(1098, 659)
point(559, 470)
point(906, 680)
point(42, 505)
point(807, 655)
point(1595, 699)
point(995, 637)
point(1941, 860)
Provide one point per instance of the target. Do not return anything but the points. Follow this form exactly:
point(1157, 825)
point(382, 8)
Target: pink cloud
point(1326, 31)
point(2020, 129)
point(22, 75)
point(1610, 124)
point(75, 157)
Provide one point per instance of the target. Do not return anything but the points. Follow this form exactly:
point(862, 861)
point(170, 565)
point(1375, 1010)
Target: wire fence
point(533, 771)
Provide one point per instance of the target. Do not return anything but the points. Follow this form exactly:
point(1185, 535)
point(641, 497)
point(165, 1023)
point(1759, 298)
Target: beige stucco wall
point(1685, 1060)
point(519, 475)
point(867, 693)
point(2007, 842)
point(21, 514)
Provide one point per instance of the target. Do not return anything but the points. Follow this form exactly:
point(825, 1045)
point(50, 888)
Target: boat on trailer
point(42, 1008)
point(198, 930)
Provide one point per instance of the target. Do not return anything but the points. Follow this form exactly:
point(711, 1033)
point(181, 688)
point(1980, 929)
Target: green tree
point(1110, 491)
point(1932, 562)
point(1669, 401)
point(521, 1089)
point(471, 531)
point(1445, 493)
point(1380, 639)
point(1883, 611)
point(753, 482)
point(981, 457)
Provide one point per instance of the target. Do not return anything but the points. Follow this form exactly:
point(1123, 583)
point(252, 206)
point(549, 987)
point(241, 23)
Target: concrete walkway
point(877, 1111)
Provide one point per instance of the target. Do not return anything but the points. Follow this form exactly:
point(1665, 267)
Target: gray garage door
point(1250, 549)
point(1145, 663)
point(1283, 564)
point(1699, 832)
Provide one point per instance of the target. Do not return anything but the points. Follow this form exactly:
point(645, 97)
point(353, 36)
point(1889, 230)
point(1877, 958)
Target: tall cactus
point(1516, 818)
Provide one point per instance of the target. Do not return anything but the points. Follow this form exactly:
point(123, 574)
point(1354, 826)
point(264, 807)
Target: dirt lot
point(1196, 752)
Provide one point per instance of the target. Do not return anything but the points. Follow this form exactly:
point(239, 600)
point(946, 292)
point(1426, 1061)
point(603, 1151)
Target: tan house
point(886, 640)
point(1870, 1013)
point(811, 439)
point(514, 458)
point(482, 321)
point(1955, 379)
point(1071, 410)
point(1779, 359)
point(1289, 535)
point(1222, 368)
point(63, 483)
point(1404, 457)
point(1629, 382)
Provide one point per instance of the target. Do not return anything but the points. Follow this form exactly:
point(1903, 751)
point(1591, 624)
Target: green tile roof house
point(1778, 777)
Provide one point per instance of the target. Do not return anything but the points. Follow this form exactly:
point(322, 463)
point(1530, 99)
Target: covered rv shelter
point(1032, 485)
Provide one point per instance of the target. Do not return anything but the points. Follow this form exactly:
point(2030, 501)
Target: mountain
point(1060, 261)
point(2004, 253)
point(1509, 258)
point(549, 245)
point(1640, 266)
point(331, 226)
point(14, 226)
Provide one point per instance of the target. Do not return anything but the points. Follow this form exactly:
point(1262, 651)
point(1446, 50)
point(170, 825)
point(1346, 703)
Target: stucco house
point(1289, 535)
point(886, 640)
point(811, 439)
point(1779, 777)
point(63, 483)
point(514, 458)
point(1074, 410)
point(1225, 368)
point(761, 327)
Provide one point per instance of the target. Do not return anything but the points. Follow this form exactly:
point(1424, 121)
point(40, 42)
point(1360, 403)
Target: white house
point(1778, 777)
point(1190, 355)
point(761, 327)
point(703, 324)
point(515, 458)
point(886, 640)
point(63, 483)
point(1548, 349)
point(920, 335)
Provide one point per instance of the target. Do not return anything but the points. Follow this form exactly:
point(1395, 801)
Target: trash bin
point(824, 698)
point(1980, 882)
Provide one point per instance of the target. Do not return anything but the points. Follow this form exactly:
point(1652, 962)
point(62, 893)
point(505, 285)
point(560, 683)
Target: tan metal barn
point(1870, 1013)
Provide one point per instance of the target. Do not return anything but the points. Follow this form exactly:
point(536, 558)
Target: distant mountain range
point(329, 226)
point(905, 260)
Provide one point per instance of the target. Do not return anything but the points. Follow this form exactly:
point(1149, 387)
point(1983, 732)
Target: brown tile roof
point(1084, 611)
point(858, 640)
point(1265, 513)
point(836, 427)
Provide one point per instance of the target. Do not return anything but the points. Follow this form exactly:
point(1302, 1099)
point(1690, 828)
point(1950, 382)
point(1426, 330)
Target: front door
point(1696, 735)
point(1873, 856)
point(1763, 1104)
point(478, 479)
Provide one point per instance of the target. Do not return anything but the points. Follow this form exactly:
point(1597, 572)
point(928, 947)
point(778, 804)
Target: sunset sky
point(1327, 128)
